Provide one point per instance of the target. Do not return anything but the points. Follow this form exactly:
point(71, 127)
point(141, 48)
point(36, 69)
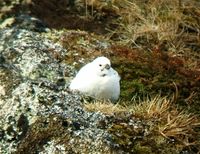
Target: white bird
point(98, 79)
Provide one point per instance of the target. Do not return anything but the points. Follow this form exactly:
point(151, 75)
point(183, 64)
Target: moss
point(150, 73)
point(142, 149)
point(42, 131)
point(163, 131)
point(141, 137)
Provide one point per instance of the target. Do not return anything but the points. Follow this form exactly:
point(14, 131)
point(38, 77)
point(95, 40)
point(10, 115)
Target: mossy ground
point(157, 72)
point(158, 49)
point(155, 125)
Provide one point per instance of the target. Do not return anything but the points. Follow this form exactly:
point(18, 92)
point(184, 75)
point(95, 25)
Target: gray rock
point(38, 113)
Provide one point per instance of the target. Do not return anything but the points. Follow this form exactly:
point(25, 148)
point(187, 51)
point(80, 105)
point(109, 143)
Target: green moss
point(142, 138)
point(142, 149)
point(150, 73)
point(42, 131)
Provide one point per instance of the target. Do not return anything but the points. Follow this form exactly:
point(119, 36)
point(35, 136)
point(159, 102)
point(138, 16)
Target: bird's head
point(102, 65)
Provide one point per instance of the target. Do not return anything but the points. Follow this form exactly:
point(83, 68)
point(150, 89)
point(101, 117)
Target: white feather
point(98, 79)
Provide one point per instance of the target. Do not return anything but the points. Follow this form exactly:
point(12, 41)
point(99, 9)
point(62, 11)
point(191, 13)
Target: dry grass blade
point(156, 107)
point(179, 125)
point(164, 119)
point(105, 107)
point(152, 23)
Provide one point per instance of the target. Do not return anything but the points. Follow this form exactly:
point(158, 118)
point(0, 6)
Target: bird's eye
point(100, 65)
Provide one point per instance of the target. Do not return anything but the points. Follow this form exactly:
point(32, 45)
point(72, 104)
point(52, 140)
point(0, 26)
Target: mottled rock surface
point(38, 113)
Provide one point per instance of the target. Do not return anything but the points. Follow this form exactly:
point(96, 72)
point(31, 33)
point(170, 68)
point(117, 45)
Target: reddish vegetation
point(150, 73)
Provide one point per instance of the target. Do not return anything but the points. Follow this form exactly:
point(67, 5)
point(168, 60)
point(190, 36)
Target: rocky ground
point(37, 110)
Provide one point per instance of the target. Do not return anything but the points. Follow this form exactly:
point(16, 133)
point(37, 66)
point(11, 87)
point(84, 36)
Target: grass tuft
point(152, 125)
point(105, 107)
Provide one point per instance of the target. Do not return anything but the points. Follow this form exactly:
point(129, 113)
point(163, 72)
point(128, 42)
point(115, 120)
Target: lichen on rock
point(37, 110)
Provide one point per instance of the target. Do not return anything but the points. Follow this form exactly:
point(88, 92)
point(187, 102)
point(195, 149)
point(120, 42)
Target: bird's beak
point(107, 66)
